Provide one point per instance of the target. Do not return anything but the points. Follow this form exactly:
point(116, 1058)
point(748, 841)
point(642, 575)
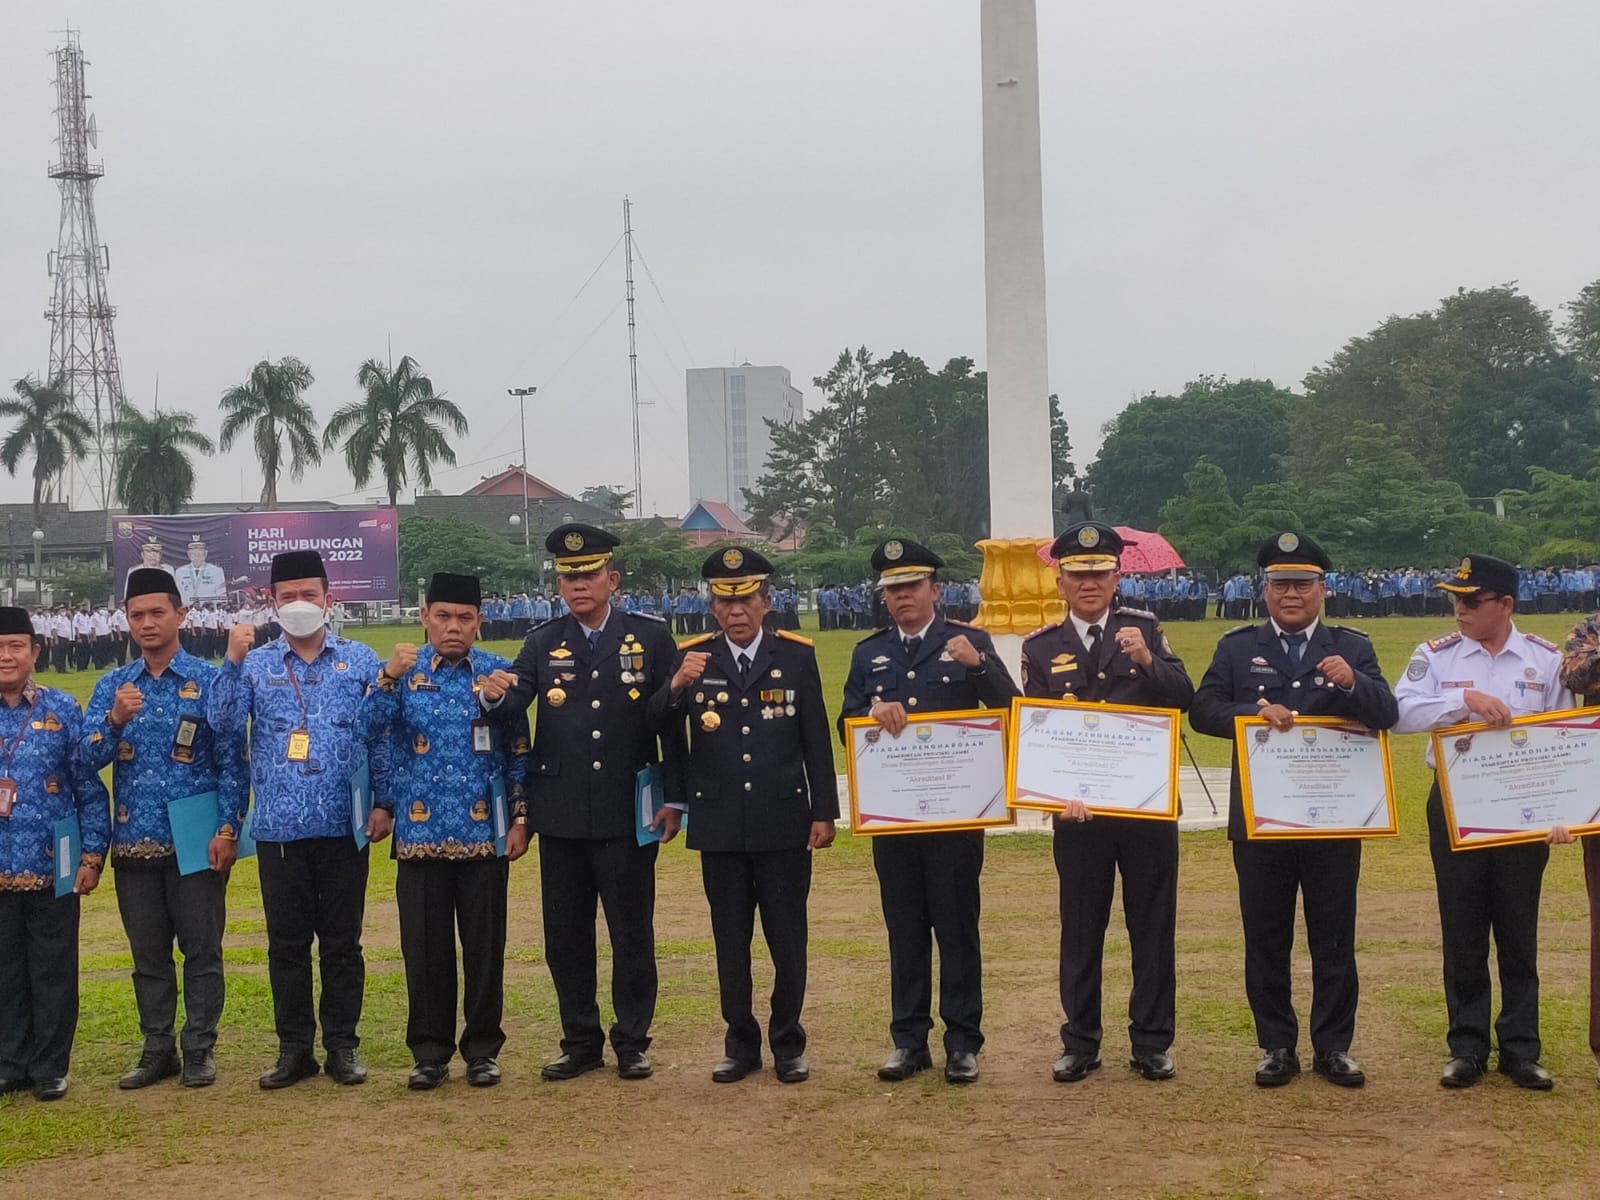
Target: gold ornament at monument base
point(1018, 587)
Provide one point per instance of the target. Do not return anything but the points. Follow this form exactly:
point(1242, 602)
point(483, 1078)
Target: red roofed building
point(709, 521)
point(509, 483)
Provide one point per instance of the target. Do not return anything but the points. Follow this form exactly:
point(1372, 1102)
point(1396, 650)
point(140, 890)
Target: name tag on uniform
point(183, 741)
point(299, 746)
point(482, 738)
point(1455, 683)
point(8, 796)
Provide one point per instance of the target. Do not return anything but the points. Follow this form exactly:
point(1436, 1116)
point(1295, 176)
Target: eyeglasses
point(1295, 586)
point(1474, 599)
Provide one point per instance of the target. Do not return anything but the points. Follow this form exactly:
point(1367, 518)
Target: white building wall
point(728, 437)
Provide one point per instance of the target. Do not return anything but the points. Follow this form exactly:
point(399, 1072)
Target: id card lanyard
point(300, 738)
point(8, 785)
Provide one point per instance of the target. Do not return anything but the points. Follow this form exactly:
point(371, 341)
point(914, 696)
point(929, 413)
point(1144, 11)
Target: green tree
point(430, 544)
point(614, 499)
point(75, 581)
point(272, 406)
point(652, 557)
point(1580, 333)
point(1241, 426)
point(1202, 522)
point(49, 429)
point(1063, 474)
point(155, 473)
point(401, 427)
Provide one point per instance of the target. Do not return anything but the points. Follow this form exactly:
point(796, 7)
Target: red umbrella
point(1142, 552)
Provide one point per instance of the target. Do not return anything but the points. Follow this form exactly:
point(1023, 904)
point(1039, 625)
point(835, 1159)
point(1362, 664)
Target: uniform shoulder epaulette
point(696, 641)
point(649, 617)
point(1239, 629)
point(1362, 633)
point(963, 624)
point(875, 633)
point(790, 635)
point(1539, 641)
point(1042, 629)
point(1136, 612)
point(1440, 643)
point(543, 623)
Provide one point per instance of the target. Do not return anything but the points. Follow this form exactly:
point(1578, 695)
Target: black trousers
point(317, 888)
point(620, 874)
point(1325, 874)
point(38, 983)
point(777, 884)
point(1492, 889)
point(160, 907)
point(928, 883)
point(437, 900)
point(1088, 857)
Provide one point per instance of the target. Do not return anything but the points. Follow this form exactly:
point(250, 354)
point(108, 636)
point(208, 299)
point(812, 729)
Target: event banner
point(217, 555)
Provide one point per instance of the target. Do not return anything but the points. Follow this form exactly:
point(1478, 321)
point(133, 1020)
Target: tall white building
point(728, 437)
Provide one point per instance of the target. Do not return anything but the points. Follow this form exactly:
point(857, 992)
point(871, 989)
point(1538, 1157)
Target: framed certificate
point(1322, 778)
point(947, 770)
point(1121, 761)
point(1503, 786)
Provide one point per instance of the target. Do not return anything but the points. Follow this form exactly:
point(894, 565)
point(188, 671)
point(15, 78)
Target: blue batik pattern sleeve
point(89, 794)
point(98, 744)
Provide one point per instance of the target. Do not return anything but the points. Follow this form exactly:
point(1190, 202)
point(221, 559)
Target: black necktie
point(594, 639)
point(1094, 641)
point(1297, 647)
point(744, 668)
point(913, 644)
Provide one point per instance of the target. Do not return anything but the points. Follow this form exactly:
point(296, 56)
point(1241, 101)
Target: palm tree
point(154, 471)
point(270, 403)
point(49, 428)
point(400, 428)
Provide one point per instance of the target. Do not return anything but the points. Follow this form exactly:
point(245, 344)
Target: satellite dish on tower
point(94, 132)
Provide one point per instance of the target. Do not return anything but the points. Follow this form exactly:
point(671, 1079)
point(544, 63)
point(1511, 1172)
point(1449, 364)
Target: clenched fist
point(496, 684)
point(692, 667)
point(403, 658)
point(240, 639)
point(962, 651)
point(127, 705)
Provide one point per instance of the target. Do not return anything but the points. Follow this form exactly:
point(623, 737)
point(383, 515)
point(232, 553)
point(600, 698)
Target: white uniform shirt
point(119, 622)
point(100, 623)
point(82, 625)
point(1526, 675)
point(61, 626)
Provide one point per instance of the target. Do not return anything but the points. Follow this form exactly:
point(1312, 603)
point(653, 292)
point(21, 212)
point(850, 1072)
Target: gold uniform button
point(1296, 683)
point(745, 729)
point(594, 704)
point(747, 787)
point(911, 674)
point(595, 735)
point(596, 766)
point(912, 702)
point(745, 703)
point(1102, 674)
point(594, 674)
point(747, 759)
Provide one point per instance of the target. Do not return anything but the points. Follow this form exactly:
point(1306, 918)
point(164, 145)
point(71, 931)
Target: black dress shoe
point(1074, 1065)
point(1524, 1072)
point(49, 1089)
point(633, 1064)
point(13, 1083)
point(1338, 1067)
point(1153, 1064)
point(199, 1069)
point(570, 1066)
point(792, 1070)
point(1462, 1072)
point(153, 1066)
point(961, 1066)
point(1277, 1068)
point(345, 1066)
point(426, 1076)
point(289, 1070)
point(483, 1072)
point(903, 1064)
point(731, 1070)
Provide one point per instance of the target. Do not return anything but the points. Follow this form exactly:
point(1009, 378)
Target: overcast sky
point(1232, 187)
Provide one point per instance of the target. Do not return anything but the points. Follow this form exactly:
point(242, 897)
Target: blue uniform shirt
point(310, 799)
point(441, 788)
point(144, 775)
point(52, 782)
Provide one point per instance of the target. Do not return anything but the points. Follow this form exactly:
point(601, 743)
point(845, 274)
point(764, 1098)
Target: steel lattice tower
point(83, 350)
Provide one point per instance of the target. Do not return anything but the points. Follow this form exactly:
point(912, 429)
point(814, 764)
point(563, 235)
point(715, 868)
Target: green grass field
point(1209, 1134)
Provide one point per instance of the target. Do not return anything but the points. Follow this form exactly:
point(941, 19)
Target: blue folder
point(360, 804)
point(66, 839)
point(501, 814)
point(194, 824)
point(649, 794)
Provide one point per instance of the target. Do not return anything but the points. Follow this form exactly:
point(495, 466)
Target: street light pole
point(38, 570)
point(522, 394)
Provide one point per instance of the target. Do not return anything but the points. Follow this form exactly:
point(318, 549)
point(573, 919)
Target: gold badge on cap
point(893, 551)
point(1465, 569)
point(733, 559)
point(573, 540)
point(1088, 537)
point(1288, 542)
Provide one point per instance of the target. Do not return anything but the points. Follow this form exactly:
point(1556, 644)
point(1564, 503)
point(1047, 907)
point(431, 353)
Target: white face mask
point(301, 618)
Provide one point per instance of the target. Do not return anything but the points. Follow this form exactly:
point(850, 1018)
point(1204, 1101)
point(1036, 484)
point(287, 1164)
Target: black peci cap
point(15, 620)
point(149, 581)
point(445, 588)
point(298, 564)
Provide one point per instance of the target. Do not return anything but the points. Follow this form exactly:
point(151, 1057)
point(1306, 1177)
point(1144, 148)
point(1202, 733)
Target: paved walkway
point(1192, 788)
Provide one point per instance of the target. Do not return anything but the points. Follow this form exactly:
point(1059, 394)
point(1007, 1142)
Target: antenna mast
point(633, 358)
point(83, 350)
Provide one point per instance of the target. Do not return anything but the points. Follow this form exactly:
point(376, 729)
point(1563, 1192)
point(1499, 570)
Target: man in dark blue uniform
point(763, 796)
point(592, 673)
point(1294, 665)
point(929, 882)
point(1115, 656)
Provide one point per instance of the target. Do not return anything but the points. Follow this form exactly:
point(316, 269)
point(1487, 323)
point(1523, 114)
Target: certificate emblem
point(1519, 737)
point(924, 733)
point(1091, 720)
point(1308, 736)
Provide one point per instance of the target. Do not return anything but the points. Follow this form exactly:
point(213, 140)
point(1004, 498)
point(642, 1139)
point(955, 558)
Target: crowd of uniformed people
point(728, 730)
